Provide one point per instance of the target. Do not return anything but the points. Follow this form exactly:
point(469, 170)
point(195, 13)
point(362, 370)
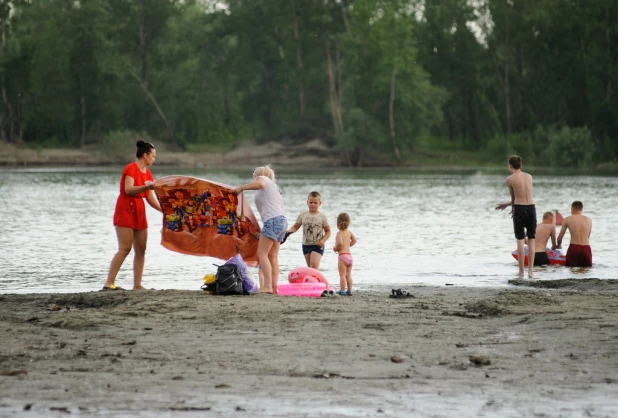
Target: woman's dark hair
point(143, 148)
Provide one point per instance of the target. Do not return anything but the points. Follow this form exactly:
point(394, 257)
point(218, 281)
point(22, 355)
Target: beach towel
point(205, 218)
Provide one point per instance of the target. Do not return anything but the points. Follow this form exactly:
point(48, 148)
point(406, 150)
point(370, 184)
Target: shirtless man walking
point(579, 253)
point(523, 211)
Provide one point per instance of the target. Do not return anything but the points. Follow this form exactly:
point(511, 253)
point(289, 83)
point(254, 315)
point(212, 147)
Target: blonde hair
point(548, 215)
point(343, 221)
point(264, 171)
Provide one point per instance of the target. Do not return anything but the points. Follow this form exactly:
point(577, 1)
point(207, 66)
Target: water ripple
point(412, 228)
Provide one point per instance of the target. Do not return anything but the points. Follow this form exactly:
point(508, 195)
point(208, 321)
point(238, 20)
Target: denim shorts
point(274, 228)
point(313, 249)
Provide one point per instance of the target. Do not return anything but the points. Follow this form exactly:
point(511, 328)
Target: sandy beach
point(542, 348)
point(246, 153)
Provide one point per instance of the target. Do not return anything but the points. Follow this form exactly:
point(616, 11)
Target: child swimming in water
point(343, 241)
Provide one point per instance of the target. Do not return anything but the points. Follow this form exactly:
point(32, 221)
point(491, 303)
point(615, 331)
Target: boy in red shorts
point(579, 253)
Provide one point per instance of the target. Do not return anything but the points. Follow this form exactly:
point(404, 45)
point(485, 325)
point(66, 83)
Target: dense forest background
point(389, 79)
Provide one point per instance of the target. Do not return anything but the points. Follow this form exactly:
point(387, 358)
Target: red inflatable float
point(555, 256)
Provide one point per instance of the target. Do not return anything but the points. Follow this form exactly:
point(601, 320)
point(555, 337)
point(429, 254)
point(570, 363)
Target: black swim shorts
point(313, 249)
point(524, 217)
point(541, 259)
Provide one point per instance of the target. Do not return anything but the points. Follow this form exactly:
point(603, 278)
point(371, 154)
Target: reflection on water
point(412, 227)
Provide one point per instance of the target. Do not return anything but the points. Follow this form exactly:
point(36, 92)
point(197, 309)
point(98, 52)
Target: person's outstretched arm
point(131, 189)
point(153, 201)
point(254, 185)
point(502, 206)
point(325, 237)
point(562, 232)
point(294, 228)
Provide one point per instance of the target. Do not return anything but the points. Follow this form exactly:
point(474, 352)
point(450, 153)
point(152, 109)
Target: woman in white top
point(269, 203)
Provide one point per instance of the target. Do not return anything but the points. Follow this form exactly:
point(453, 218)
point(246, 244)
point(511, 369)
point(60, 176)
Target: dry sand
point(546, 350)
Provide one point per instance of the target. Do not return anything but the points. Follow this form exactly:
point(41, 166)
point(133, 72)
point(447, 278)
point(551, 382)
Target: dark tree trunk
point(84, 121)
point(391, 115)
point(299, 65)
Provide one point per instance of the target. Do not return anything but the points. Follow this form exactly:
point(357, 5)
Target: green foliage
point(500, 147)
point(116, 143)
point(379, 65)
point(489, 78)
point(571, 147)
point(574, 148)
point(362, 136)
point(431, 150)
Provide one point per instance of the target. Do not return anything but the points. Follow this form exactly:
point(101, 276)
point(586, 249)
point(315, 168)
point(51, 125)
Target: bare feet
point(139, 288)
point(265, 290)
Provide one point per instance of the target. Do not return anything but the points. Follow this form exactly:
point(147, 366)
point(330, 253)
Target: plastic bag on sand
point(247, 280)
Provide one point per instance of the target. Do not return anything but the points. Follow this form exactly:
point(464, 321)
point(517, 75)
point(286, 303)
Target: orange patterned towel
point(202, 217)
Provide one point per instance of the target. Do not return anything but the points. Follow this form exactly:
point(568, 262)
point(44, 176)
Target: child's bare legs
point(531, 249)
point(521, 255)
point(125, 241)
point(348, 278)
point(343, 279)
point(140, 238)
point(313, 260)
point(265, 245)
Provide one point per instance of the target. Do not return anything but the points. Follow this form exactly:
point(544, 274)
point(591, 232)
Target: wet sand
point(542, 348)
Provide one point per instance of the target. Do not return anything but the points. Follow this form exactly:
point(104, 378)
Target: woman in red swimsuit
point(136, 183)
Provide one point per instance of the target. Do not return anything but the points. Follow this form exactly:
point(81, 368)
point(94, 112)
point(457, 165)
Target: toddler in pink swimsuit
point(346, 258)
point(343, 241)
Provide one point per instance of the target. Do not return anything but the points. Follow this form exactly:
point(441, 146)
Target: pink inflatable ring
point(306, 275)
point(313, 290)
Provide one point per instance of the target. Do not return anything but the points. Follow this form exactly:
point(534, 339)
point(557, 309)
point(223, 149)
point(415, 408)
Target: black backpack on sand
point(228, 281)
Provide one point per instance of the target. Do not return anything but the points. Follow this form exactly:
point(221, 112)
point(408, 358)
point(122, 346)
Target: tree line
point(372, 77)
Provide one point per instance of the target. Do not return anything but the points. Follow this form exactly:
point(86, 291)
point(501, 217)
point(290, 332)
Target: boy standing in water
point(579, 253)
point(544, 231)
point(523, 211)
point(316, 230)
point(343, 241)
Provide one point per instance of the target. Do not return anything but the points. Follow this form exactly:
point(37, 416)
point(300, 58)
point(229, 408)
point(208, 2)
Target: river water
point(413, 227)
